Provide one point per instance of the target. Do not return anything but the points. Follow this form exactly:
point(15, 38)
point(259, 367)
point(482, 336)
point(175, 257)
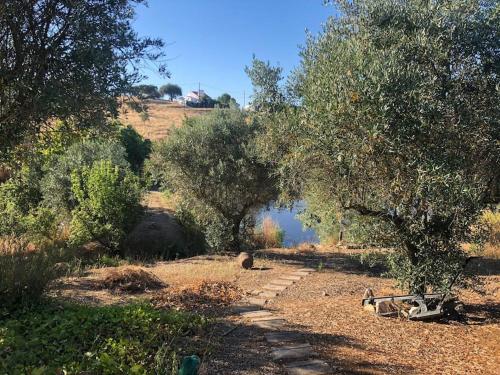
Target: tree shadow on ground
point(341, 262)
point(483, 314)
point(484, 266)
point(240, 348)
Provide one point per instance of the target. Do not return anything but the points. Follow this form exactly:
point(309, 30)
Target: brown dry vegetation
point(131, 279)
point(162, 117)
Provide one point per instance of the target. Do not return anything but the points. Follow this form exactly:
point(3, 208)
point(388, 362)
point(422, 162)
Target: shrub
point(56, 184)
point(24, 273)
point(77, 339)
point(108, 204)
point(20, 212)
point(136, 147)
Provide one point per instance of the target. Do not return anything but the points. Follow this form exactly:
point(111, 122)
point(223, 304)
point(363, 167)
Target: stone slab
point(257, 301)
point(256, 314)
point(278, 288)
point(282, 282)
point(288, 353)
point(311, 367)
point(291, 277)
point(306, 270)
point(264, 318)
point(270, 324)
point(268, 294)
point(298, 273)
point(283, 337)
point(244, 308)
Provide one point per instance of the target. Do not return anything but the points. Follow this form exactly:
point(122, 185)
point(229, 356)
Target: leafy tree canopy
point(268, 94)
point(227, 101)
point(171, 90)
point(66, 59)
point(399, 121)
point(146, 92)
point(211, 162)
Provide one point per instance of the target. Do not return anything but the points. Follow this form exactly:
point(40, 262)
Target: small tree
point(173, 91)
point(399, 123)
point(136, 147)
point(107, 207)
point(211, 162)
point(56, 183)
point(227, 101)
point(147, 92)
point(268, 95)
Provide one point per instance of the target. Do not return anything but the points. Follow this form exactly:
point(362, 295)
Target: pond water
point(295, 232)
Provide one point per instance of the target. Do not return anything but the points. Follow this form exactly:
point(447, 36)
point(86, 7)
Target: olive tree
point(399, 122)
point(210, 161)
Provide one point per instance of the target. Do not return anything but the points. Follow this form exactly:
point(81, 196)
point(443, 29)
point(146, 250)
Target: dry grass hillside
point(162, 117)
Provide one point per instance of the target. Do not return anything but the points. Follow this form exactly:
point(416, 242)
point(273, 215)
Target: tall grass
point(24, 272)
point(269, 234)
point(492, 247)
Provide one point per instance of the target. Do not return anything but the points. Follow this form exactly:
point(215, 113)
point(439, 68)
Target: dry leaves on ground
point(131, 279)
point(202, 297)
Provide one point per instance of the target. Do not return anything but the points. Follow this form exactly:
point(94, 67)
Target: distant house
point(194, 97)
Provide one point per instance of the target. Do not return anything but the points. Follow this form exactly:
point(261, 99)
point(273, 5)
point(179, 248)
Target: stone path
point(287, 348)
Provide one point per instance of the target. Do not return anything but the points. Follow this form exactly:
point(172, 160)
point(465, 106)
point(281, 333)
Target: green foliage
point(56, 183)
point(268, 95)
point(66, 61)
point(20, 213)
point(171, 90)
point(146, 92)
point(211, 163)
point(136, 147)
point(107, 204)
point(24, 273)
point(398, 121)
point(227, 101)
point(76, 339)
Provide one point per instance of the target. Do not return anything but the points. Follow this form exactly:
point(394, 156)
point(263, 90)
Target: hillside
point(162, 117)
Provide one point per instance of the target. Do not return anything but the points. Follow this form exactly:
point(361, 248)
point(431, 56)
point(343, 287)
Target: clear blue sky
point(211, 41)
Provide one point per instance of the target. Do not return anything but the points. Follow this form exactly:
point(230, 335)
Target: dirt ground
point(162, 117)
point(326, 308)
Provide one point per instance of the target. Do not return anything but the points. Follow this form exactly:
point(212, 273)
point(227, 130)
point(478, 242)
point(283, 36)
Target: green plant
point(212, 164)
point(108, 204)
point(171, 90)
point(24, 272)
point(83, 73)
point(398, 122)
point(74, 339)
point(136, 147)
point(56, 183)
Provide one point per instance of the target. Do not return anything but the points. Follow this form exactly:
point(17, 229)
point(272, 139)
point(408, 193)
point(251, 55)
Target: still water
point(295, 232)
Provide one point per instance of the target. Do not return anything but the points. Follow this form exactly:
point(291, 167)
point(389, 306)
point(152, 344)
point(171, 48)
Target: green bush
point(56, 184)
point(75, 339)
point(136, 147)
point(24, 273)
point(20, 210)
point(107, 204)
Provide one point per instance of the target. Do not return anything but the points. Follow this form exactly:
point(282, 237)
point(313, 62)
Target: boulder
point(245, 260)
